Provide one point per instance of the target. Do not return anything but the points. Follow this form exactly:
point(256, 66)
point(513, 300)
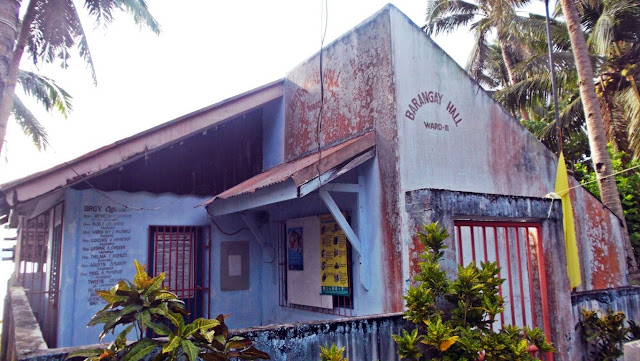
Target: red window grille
point(518, 250)
point(342, 305)
point(182, 253)
point(38, 266)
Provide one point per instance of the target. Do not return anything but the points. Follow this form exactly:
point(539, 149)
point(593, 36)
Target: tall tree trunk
point(511, 70)
point(8, 33)
point(595, 127)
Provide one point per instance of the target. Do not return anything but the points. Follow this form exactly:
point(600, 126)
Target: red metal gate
point(518, 250)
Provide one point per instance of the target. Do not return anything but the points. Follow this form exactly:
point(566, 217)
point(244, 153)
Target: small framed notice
point(295, 249)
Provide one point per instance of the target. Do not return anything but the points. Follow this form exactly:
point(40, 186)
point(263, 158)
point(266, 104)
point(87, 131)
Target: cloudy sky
point(208, 51)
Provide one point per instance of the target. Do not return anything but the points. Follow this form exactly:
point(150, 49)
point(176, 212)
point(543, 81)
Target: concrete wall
point(366, 302)
point(365, 338)
point(429, 205)
point(453, 135)
point(21, 335)
point(358, 80)
point(273, 130)
point(75, 309)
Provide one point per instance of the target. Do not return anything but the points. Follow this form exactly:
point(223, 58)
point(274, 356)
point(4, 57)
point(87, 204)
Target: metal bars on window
point(38, 266)
point(342, 305)
point(517, 249)
point(181, 252)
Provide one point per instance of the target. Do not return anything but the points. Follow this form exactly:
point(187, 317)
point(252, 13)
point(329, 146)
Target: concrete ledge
point(632, 351)
point(368, 338)
point(23, 337)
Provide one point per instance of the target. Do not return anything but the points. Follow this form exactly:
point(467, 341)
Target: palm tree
point(595, 127)
point(48, 94)
point(485, 17)
point(48, 31)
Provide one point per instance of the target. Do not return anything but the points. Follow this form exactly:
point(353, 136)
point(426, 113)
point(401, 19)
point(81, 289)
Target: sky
point(207, 51)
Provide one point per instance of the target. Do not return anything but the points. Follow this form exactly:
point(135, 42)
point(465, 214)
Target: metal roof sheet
point(303, 169)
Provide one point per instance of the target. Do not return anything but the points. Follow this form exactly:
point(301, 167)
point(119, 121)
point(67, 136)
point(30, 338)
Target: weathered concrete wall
point(21, 335)
point(453, 135)
point(358, 83)
point(600, 246)
point(365, 338)
point(366, 302)
point(75, 309)
point(430, 205)
point(623, 299)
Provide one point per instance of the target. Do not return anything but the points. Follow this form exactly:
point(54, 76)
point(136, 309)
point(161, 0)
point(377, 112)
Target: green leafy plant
point(145, 305)
point(606, 334)
point(629, 186)
point(332, 353)
point(454, 318)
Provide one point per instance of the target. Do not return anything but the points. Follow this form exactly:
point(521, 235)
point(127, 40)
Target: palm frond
point(46, 92)
point(29, 124)
point(602, 35)
point(445, 15)
point(631, 104)
point(83, 45)
point(100, 10)
point(141, 15)
point(447, 24)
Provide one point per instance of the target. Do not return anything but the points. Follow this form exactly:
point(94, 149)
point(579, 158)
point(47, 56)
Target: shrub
point(144, 305)
point(454, 319)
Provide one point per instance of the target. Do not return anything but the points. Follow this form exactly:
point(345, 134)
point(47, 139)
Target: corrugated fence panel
point(366, 338)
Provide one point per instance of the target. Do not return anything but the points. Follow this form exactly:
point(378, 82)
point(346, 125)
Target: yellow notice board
point(333, 258)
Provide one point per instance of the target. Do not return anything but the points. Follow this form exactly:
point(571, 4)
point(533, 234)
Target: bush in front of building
point(143, 306)
point(454, 318)
point(606, 334)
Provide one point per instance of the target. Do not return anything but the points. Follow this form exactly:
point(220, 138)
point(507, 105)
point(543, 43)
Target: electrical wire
point(84, 179)
point(323, 5)
point(595, 180)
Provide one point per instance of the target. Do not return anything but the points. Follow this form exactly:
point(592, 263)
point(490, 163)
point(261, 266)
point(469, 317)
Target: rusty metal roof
point(304, 169)
point(125, 150)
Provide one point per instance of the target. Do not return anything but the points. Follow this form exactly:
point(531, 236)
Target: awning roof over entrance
point(295, 178)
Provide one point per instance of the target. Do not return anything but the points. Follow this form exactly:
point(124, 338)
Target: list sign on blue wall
point(106, 234)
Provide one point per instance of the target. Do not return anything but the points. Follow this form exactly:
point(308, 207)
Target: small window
point(179, 252)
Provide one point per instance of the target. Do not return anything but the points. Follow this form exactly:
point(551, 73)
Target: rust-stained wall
point(358, 83)
point(453, 135)
point(356, 73)
point(431, 205)
point(600, 247)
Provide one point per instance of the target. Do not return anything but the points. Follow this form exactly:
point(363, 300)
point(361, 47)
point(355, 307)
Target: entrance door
point(179, 252)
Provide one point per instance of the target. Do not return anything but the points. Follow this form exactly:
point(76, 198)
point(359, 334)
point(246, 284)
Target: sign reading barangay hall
point(432, 97)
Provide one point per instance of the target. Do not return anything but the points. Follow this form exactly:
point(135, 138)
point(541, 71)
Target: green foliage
point(453, 318)
point(332, 353)
point(408, 348)
point(605, 335)
point(145, 305)
point(628, 186)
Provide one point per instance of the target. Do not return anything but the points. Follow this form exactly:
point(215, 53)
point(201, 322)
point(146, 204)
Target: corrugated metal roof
point(303, 169)
point(111, 156)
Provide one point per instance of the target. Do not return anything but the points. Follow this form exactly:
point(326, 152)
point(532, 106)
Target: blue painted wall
point(75, 310)
point(273, 130)
point(366, 302)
